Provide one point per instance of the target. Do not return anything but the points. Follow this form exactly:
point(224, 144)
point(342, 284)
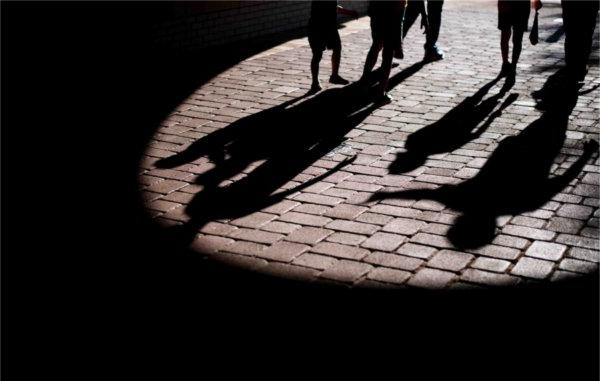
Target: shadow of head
point(472, 231)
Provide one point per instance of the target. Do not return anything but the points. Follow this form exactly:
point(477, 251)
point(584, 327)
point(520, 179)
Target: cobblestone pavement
point(329, 231)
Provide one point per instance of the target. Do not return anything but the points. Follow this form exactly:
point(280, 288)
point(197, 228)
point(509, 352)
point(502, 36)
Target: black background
point(90, 287)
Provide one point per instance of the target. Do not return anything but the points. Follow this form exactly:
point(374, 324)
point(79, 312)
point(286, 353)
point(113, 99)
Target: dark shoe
point(399, 52)
point(337, 80)
point(384, 99)
point(315, 88)
point(433, 54)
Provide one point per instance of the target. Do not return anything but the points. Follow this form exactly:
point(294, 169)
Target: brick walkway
point(329, 231)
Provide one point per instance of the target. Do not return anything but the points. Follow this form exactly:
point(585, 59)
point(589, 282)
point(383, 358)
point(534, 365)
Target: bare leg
point(335, 61)
point(314, 69)
point(372, 58)
point(386, 67)
point(517, 46)
point(504, 39)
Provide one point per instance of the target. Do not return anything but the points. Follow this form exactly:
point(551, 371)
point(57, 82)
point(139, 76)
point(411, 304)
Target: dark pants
point(434, 12)
point(579, 21)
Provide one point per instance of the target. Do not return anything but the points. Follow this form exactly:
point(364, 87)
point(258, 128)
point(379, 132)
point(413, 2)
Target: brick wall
point(196, 25)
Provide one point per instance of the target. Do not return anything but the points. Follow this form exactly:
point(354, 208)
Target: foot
point(507, 69)
point(315, 88)
point(399, 52)
point(433, 54)
point(337, 80)
point(384, 99)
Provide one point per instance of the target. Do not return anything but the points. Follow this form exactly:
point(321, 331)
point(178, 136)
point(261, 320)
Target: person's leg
point(434, 13)
point(504, 41)
point(386, 68)
point(411, 13)
point(336, 57)
point(372, 58)
point(517, 41)
point(582, 32)
point(314, 69)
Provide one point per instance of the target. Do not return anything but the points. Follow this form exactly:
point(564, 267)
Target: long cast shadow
point(515, 179)
point(288, 138)
point(455, 129)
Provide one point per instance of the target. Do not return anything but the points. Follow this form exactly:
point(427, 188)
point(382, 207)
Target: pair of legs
point(320, 40)
point(415, 8)
point(513, 17)
point(335, 67)
point(517, 45)
point(388, 48)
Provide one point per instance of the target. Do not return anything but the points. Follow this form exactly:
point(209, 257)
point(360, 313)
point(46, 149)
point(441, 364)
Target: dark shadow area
point(323, 121)
point(92, 287)
point(516, 178)
point(455, 129)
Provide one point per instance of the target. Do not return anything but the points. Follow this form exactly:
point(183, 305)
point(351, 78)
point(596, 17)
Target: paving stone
point(432, 240)
point(395, 261)
point(254, 220)
point(345, 211)
point(404, 226)
point(546, 250)
point(450, 260)
point(488, 278)
point(283, 251)
point(320, 262)
point(491, 264)
point(531, 233)
point(346, 271)
point(431, 278)
point(588, 243)
point(585, 254)
point(388, 275)
point(352, 227)
point(256, 235)
point(290, 271)
point(340, 251)
point(383, 241)
point(565, 225)
point(577, 266)
point(578, 212)
point(347, 238)
point(417, 251)
point(309, 235)
point(304, 219)
point(532, 268)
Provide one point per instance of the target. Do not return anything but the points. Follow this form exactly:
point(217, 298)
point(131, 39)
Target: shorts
point(320, 39)
point(386, 32)
point(513, 14)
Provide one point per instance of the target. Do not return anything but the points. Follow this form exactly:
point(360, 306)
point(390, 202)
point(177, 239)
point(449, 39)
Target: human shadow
point(455, 129)
point(515, 179)
point(287, 138)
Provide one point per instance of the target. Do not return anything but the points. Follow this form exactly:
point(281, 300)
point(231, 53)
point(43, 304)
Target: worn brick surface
point(330, 231)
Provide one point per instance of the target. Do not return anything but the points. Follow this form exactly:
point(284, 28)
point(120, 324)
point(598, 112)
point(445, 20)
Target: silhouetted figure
point(323, 34)
point(386, 32)
point(455, 129)
point(515, 179)
point(431, 20)
point(579, 21)
point(513, 18)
